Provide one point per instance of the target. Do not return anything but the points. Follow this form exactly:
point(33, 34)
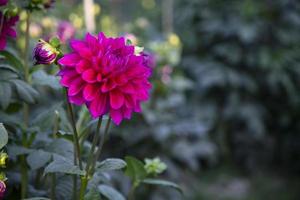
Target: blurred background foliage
point(225, 103)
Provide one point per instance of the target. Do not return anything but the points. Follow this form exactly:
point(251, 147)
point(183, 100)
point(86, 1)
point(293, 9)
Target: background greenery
point(225, 104)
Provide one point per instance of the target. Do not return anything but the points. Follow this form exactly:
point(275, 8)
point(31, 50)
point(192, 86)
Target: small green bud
point(3, 159)
point(154, 166)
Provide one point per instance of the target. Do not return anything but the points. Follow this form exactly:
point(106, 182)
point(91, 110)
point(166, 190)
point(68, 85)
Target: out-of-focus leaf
point(14, 151)
point(111, 164)
point(12, 59)
point(37, 159)
point(5, 94)
point(26, 92)
point(63, 165)
point(135, 169)
point(41, 78)
point(92, 194)
point(110, 193)
point(3, 136)
point(37, 198)
point(159, 182)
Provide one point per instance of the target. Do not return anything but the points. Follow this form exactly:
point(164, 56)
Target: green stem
point(131, 192)
point(90, 160)
point(75, 133)
point(53, 176)
point(99, 150)
point(24, 174)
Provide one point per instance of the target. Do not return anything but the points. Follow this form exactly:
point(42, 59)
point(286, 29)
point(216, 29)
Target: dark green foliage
point(244, 58)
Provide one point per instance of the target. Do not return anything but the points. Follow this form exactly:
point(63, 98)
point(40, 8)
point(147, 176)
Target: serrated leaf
point(135, 169)
point(63, 165)
point(5, 94)
point(3, 136)
point(37, 159)
point(110, 193)
point(111, 164)
point(160, 182)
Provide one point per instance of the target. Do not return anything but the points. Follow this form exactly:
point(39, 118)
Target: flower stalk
point(24, 173)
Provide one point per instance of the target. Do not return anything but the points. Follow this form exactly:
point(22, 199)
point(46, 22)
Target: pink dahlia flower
point(3, 2)
point(7, 29)
point(65, 31)
point(106, 75)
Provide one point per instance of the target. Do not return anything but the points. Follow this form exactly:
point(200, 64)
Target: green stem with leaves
point(77, 154)
point(85, 179)
point(24, 173)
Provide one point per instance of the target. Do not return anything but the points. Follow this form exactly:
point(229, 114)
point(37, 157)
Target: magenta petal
point(75, 87)
point(128, 88)
point(11, 32)
point(82, 66)
point(89, 76)
point(90, 91)
point(116, 99)
point(2, 43)
point(69, 60)
point(107, 86)
point(98, 106)
point(116, 116)
point(77, 99)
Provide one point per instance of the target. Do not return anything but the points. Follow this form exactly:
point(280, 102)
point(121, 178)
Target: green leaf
point(63, 165)
point(162, 183)
point(110, 193)
point(37, 198)
point(37, 159)
point(55, 42)
point(135, 169)
point(5, 94)
point(111, 164)
point(14, 151)
point(42, 78)
point(7, 74)
point(3, 136)
point(93, 194)
point(12, 59)
point(25, 91)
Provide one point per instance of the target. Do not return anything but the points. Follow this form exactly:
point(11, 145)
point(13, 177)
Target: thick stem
point(85, 179)
point(24, 174)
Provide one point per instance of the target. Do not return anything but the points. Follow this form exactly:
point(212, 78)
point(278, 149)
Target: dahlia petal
point(91, 41)
point(128, 88)
point(126, 113)
point(89, 76)
point(90, 91)
point(116, 99)
point(82, 66)
point(75, 87)
point(81, 48)
point(2, 43)
point(69, 60)
point(116, 116)
point(77, 99)
point(137, 108)
point(98, 106)
point(129, 101)
point(67, 80)
point(11, 32)
point(107, 86)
